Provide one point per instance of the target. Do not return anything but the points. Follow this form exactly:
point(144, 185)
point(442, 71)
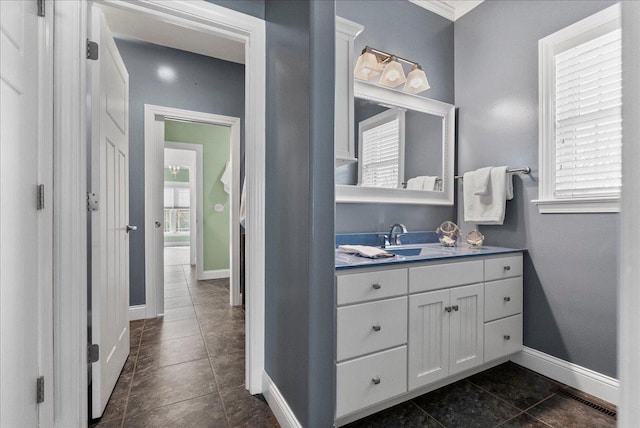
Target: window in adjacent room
point(580, 122)
point(381, 150)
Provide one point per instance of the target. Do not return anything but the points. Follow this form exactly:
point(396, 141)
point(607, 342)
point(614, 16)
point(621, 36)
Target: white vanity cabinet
point(411, 328)
point(346, 32)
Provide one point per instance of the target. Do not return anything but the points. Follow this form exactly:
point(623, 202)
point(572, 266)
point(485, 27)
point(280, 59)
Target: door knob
point(377, 328)
point(158, 224)
point(130, 228)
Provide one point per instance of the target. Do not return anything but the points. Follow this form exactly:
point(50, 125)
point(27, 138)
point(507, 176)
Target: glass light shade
point(416, 81)
point(393, 74)
point(367, 67)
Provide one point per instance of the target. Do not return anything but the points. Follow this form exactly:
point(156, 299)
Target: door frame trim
point(152, 115)
point(70, 178)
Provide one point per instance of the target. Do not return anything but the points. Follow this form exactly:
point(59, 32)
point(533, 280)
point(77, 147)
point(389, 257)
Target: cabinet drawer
point(360, 287)
point(502, 298)
point(357, 383)
point(502, 337)
point(433, 277)
point(370, 327)
point(504, 267)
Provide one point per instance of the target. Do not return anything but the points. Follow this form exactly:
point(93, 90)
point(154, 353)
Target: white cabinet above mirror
point(404, 146)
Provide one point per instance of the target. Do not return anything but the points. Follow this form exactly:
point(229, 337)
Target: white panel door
point(18, 213)
point(467, 328)
point(428, 337)
point(109, 233)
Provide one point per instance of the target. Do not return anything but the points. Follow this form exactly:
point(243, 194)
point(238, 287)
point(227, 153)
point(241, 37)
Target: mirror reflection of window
point(381, 150)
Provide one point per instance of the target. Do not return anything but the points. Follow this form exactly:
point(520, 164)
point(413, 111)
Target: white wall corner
point(586, 380)
point(137, 312)
point(279, 406)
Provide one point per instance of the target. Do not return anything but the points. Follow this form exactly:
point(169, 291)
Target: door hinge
point(93, 354)
point(40, 196)
point(40, 7)
point(92, 202)
point(92, 50)
point(40, 390)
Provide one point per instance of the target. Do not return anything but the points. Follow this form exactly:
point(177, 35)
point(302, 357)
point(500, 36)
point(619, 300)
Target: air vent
point(568, 393)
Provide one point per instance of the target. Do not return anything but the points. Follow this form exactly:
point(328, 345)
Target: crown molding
point(450, 9)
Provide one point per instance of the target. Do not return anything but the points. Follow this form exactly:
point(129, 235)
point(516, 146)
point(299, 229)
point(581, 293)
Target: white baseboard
point(137, 312)
point(279, 406)
point(215, 274)
point(586, 380)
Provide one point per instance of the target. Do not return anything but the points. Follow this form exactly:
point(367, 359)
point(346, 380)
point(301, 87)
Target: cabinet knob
point(507, 268)
point(507, 299)
point(506, 337)
point(447, 309)
point(375, 380)
point(455, 307)
point(377, 328)
point(376, 286)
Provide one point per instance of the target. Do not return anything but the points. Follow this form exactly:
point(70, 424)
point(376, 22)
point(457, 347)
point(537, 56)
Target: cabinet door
point(467, 328)
point(428, 338)
point(343, 99)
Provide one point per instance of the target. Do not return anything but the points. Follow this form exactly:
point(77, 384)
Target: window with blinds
point(380, 160)
point(580, 117)
point(588, 119)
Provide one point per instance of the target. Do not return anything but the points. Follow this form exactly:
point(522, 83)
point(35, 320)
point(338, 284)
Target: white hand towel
point(481, 181)
point(489, 208)
point(226, 178)
point(429, 183)
point(415, 183)
point(243, 203)
point(365, 251)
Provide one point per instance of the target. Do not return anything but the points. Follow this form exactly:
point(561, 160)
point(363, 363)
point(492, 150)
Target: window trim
point(379, 119)
point(593, 26)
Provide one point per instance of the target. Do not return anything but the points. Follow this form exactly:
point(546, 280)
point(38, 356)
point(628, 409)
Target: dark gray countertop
point(429, 252)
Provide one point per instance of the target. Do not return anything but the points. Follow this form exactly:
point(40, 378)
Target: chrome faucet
point(394, 238)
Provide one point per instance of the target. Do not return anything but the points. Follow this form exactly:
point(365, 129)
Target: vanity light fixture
point(374, 61)
point(416, 80)
point(174, 169)
point(392, 74)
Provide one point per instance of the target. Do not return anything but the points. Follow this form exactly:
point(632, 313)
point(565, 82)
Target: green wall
point(215, 141)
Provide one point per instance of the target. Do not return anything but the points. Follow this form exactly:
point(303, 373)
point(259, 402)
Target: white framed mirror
point(405, 147)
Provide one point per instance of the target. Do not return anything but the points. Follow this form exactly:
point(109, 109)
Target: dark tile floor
point(505, 396)
point(186, 369)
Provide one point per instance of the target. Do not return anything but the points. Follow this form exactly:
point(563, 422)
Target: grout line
point(539, 402)
point(426, 413)
point(494, 395)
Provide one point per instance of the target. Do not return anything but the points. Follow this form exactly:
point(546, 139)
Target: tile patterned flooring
point(505, 396)
point(186, 369)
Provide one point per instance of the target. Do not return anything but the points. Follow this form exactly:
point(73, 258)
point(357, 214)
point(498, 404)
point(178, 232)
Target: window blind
point(381, 155)
point(588, 119)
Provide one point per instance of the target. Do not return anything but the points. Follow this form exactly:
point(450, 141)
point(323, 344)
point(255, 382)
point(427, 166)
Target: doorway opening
point(180, 207)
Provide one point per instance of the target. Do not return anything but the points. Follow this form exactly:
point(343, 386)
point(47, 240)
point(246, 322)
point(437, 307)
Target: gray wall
point(250, 7)
point(203, 84)
point(571, 270)
point(405, 29)
point(299, 212)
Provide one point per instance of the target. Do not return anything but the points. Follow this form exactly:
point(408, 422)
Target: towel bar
point(524, 170)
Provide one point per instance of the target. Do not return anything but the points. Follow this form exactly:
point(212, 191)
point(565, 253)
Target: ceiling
point(140, 27)
point(450, 9)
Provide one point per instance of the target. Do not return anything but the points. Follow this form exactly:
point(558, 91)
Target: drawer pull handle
point(376, 286)
point(507, 268)
point(377, 328)
point(456, 307)
point(506, 337)
point(447, 309)
point(375, 380)
point(507, 299)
